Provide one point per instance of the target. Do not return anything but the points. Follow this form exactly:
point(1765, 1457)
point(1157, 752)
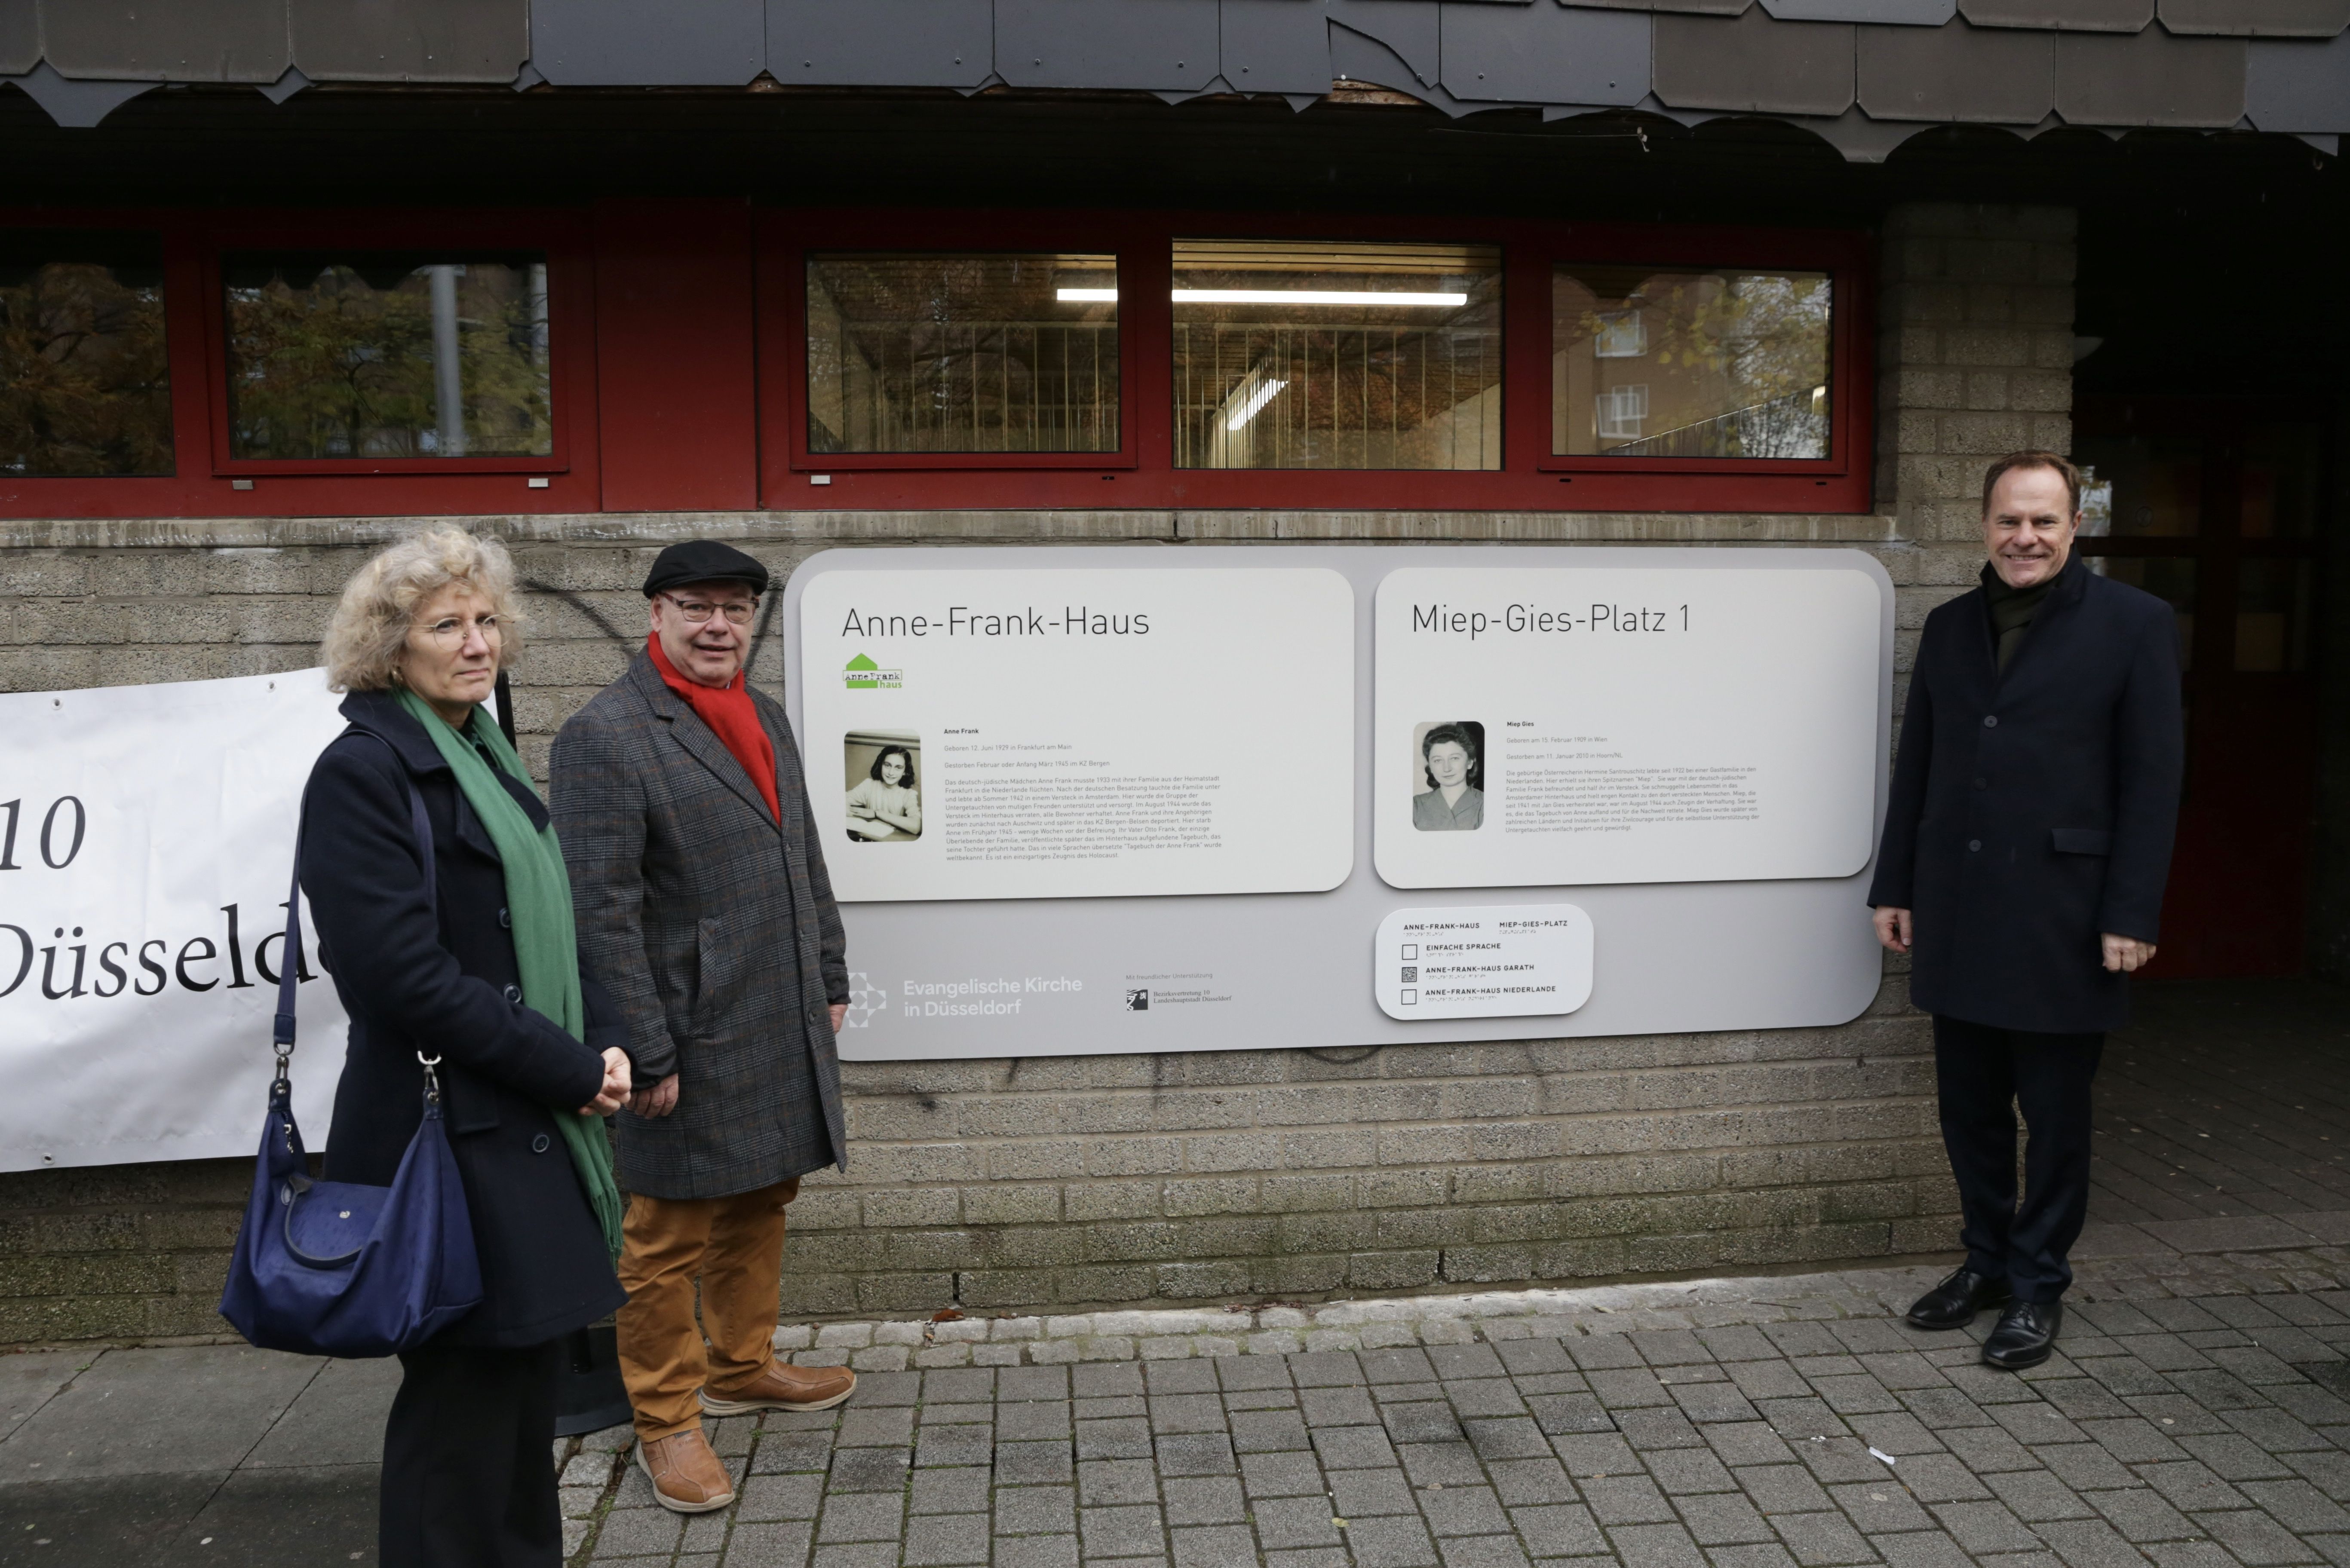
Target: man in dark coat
point(703, 905)
point(2026, 844)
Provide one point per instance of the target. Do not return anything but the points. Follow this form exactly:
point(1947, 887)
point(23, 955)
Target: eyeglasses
point(453, 631)
point(737, 612)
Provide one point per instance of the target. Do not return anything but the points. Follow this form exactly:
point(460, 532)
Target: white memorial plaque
point(1503, 961)
point(1571, 725)
point(1050, 734)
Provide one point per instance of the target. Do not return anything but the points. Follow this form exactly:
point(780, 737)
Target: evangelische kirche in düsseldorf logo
point(864, 675)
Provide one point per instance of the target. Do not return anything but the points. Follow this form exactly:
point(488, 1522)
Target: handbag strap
point(289, 962)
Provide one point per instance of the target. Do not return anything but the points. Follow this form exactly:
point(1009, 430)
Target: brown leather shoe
point(781, 1388)
point(687, 1477)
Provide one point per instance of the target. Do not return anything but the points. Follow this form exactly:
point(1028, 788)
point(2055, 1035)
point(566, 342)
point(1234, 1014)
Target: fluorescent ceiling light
point(1272, 296)
point(1254, 403)
point(1311, 296)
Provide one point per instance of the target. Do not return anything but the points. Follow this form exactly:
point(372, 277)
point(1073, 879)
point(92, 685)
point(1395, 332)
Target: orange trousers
point(734, 1248)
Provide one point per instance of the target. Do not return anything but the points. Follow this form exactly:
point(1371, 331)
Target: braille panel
point(881, 43)
point(1977, 76)
point(2299, 87)
point(1882, 13)
point(2149, 78)
point(20, 36)
point(180, 41)
point(1409, 27)
point(1276, 45)
point(2075, 16)
point(1157, 44)
point(1753, 65)
point(1546, 54)
point(625, 43)
point(411, 40)
point(2257, 18)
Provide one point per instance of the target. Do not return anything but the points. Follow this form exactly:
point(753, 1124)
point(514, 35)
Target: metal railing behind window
point(968, 386)
point(1795, 425)
point(1252, 395)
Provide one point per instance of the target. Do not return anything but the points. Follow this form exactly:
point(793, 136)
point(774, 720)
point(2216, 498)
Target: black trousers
point(1981, 1075)
point(468, 1460)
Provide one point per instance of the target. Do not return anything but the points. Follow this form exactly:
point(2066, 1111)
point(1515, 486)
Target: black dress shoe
point(1954, 1303)
point(2025, 1335)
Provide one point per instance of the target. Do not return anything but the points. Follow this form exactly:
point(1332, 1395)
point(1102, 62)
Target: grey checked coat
point(715, 932)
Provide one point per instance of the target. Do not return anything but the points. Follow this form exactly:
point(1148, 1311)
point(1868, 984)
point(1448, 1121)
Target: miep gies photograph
point(1845, 1065)
point(1449, 786)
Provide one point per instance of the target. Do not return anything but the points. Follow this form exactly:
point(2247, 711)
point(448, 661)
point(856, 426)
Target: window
point(937, 353)
point(85, 386)
point(1718, 364)
point(1300, 354)
point(387, 354)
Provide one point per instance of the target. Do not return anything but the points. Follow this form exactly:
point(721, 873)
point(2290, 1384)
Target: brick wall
point(1180, 1178)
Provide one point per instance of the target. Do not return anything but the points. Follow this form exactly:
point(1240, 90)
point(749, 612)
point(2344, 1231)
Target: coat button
point(513, 995)
point(1990, 720)
point(539, 1144)
point(505, 919)
point(1973, 844)
point(1983, 784)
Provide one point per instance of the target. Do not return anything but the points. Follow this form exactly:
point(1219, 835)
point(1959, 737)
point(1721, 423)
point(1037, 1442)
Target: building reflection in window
point(1329, 355)
point(1655, 363)
point(937, 353)
point(85, 383)
point(388, 355)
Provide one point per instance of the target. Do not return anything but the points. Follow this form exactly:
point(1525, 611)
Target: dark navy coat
point(450, 985)
point(2032, 810)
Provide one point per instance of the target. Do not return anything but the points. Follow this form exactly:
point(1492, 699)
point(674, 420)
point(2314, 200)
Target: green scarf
point(545, 943)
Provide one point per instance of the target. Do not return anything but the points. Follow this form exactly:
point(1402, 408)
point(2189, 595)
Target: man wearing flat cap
point(703, 905)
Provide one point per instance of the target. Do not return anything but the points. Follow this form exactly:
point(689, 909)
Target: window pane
point(85, 389)
point(2272, 614)
point(1688, 364)
point(2283, 472)
point(2140, 486)
point(963, 353)
point(2168, 577)
point(388, 355)
point(1303, 354)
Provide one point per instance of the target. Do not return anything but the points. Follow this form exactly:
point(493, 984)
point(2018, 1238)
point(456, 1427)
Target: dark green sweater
point(2012, 610)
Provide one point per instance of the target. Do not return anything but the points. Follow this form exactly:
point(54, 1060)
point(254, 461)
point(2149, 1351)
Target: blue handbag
point(336, 1268)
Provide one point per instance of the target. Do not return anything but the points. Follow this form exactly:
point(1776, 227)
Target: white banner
point(146, 836)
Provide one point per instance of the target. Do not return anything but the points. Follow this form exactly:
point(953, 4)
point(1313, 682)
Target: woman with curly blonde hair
point(472, 960)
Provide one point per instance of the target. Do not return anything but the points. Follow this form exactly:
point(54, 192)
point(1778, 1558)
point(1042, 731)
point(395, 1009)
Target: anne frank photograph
point(1448, 792)
point(885, 801)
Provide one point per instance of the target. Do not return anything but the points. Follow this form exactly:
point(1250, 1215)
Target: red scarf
point(732, 717)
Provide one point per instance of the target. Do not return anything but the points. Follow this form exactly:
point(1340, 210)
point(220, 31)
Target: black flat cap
point(704, 561)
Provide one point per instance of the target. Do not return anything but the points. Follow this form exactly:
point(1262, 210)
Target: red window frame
point(1532, 477)
point(204, 479)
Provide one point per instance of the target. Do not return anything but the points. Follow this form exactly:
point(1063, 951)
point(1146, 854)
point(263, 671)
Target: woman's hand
point(615, 1092)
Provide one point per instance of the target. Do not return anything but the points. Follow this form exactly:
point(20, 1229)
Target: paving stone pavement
point(1783, 1423)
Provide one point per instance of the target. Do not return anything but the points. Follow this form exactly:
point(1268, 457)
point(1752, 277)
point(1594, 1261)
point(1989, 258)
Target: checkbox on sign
point(1410, 997)
point(1411, 949)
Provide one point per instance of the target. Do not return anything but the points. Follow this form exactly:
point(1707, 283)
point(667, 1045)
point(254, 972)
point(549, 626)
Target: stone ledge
point(1000, 526)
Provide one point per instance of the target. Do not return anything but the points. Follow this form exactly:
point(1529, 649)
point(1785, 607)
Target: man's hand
point(1893, 928)
point(2123, 954)
point(839, 1012)
point(657, 1101)
point(615, 1085)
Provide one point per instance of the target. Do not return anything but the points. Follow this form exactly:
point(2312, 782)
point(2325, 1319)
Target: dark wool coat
point(716, 929)
point(2031, 810)
point(447, 984)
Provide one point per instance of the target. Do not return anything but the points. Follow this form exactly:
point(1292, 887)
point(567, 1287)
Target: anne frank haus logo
point(864, 675)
